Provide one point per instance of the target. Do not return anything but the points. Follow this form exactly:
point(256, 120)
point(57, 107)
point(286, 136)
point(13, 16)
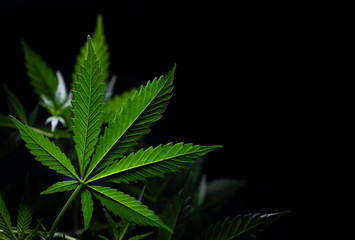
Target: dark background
point(271, 82)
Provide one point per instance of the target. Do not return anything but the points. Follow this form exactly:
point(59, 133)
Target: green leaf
point(24, 217)
point(240, 226)
point(3, 237)
point(153, 162)
point(170, 217)
point(35, 232)
point(5, 220)
point(45, 151)
point(114, 105)
point(87, 107)
point(61, 187)
point(87, 207)
point(141, 236)
point(15, 105)
point(5, 121)
point(103, 237)
point(42, 77)
point(133, 122)
point(101, 49)
point(113, 225)
point(127, 207)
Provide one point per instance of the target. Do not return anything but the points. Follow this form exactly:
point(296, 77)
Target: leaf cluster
point(22, 230)
point(106, 132)
point(102, 159)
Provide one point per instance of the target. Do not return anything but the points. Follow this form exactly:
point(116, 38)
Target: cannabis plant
point(107, 137)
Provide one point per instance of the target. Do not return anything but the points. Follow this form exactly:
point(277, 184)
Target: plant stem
point(54, 225)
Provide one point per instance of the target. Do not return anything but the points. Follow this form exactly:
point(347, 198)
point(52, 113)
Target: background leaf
point(42, 77)
point(241, 227)
point(5, 220)
point(114, 105)
point(15, 105)
point(101, 49)
point(24, 217)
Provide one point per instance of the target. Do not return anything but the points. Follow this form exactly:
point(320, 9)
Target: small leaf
point(101, 49)
point(3, 237)
point(61, 187)
point(35, 232)
point(170, 217)
point(5, 220)
point(240, 226)
point(42, 77)
point(87, 207)
point(113, 225)
point(24, 217)
point(127, 207)
point(103, 237)
point(15, 105)
point(45, 151)
point(5, 121)
point(141, 236)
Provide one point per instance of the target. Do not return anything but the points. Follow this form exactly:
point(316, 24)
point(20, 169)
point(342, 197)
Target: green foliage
point(240, 227)
point(46, 151)
point(22, 230)
point(42, 77)
point(131, 123)
point(87, 108)
point(101, 49)
point(115, 104)
point(108, 153)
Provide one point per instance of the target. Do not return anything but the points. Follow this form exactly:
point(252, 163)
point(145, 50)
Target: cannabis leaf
point(101, 49)
point(42, 77)
point(87, 108)
point(133, 121)
point(50, 88)
point(240, 227)
point(5, 221)
point(46, 151)
point(15, 105)
point(24, 219)
point(103, 159)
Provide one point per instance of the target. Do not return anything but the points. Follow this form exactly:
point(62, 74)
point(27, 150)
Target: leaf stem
point(60, 215)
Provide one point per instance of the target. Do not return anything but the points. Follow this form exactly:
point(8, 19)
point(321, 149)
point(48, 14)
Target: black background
point(271, 82)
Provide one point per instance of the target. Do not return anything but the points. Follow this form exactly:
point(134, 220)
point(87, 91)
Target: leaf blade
point(42, 77)
point(153, 162)
point(240, 226)
point(87, 107)
point(127, 207)
point(5, 220)
point(24, 217)
point(87, 207)
point(15, 105)
point(61, 187)
point(100, 46)
point(45, 151)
